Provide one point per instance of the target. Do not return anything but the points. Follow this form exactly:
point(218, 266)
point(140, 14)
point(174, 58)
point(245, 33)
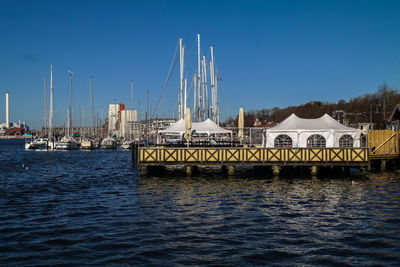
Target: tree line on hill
point(356, 110)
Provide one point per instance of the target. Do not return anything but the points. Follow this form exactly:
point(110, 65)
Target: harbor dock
point(383, 147)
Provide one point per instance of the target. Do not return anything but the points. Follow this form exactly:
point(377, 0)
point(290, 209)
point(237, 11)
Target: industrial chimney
point(7, 110)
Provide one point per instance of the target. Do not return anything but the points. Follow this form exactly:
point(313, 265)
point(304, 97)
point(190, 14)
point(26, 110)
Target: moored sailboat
point(108, 143)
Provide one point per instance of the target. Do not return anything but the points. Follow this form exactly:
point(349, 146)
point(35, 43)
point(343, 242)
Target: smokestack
point(7, 110)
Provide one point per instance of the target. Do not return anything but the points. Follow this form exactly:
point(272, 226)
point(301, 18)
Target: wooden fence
point(253, 156)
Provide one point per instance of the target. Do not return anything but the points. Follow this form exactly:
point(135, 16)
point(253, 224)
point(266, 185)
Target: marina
point(208, 133)
point(95, 208)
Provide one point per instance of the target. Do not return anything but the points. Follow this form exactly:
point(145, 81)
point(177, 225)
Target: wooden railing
point(253, 156)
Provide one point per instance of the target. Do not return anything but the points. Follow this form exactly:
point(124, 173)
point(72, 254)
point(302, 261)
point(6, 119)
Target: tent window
point(282, 141)
point(316, 141)
point(346, 141)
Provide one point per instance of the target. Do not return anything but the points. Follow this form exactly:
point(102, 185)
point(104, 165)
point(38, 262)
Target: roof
point(395, 116)
point(325, 122)
point(207, 126)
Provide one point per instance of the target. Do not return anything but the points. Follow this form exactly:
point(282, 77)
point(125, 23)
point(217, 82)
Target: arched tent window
point(282, 141)
point(346, 141)
point(316, 141)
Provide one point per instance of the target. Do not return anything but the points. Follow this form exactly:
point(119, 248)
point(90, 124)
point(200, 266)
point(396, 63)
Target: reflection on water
point(93, 208)
point(321, 221)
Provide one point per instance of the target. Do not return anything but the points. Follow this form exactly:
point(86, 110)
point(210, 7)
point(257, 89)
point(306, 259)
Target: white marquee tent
point(302, 133)
point(205, 127)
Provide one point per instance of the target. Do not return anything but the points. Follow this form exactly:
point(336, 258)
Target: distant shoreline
point(12, 137)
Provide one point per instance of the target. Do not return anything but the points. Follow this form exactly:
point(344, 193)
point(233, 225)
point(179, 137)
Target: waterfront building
point(13, 128)
point(114, 118)
point(129, 127)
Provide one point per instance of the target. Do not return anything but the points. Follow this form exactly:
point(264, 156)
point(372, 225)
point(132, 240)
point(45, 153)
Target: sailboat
point(41, 143)
point(108, 143)
point(90, 143)
point(37, 143)
point(68, 142)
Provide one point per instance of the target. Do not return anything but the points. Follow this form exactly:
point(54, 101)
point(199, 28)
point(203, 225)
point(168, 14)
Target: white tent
point(205, 127)
point(300, 132)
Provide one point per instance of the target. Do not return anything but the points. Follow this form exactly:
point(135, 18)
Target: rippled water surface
point(83, 207)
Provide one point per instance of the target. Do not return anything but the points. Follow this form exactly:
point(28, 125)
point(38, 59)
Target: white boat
point(108, 143)
point(37, 143)
point(127, 144)
point(88, 144)
point(67, 143)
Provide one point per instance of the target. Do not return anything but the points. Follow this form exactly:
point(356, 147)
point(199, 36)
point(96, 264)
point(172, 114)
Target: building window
point(346, 141)
point(316, 141)
point(282, 141)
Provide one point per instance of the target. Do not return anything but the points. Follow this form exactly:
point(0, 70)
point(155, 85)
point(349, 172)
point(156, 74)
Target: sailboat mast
point(185, 102)
point(198, 77)
point(45, 106)
point(205, 86)
point(70, 105)
point(91, 107)
point(216, 100)
point(51, 103)
point(131, 94)
point(212, 78)
point(181, 80)
point(195, 97)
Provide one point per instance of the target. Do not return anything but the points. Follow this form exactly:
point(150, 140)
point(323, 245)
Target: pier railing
point(253, 156)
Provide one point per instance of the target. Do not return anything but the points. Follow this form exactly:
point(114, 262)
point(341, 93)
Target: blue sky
point(268, 53)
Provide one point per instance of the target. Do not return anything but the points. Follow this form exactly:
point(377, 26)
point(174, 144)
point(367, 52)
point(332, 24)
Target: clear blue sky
point(269, 53)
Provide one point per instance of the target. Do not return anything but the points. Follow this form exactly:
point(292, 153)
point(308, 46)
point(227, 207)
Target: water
point(83, 207)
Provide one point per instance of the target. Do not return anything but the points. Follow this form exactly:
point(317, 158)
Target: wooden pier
point(383, 148)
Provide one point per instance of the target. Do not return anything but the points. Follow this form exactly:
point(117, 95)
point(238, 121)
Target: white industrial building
point(114, 118)
point(129, 127)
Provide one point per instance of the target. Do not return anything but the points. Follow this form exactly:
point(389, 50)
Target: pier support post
point(134, 154)
point(224, 169)
point(314, 170)
point(189, 170)
point(143, 170)
point(231, 170)
point(276, 170)
point(347, 170)
point(383, 165)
